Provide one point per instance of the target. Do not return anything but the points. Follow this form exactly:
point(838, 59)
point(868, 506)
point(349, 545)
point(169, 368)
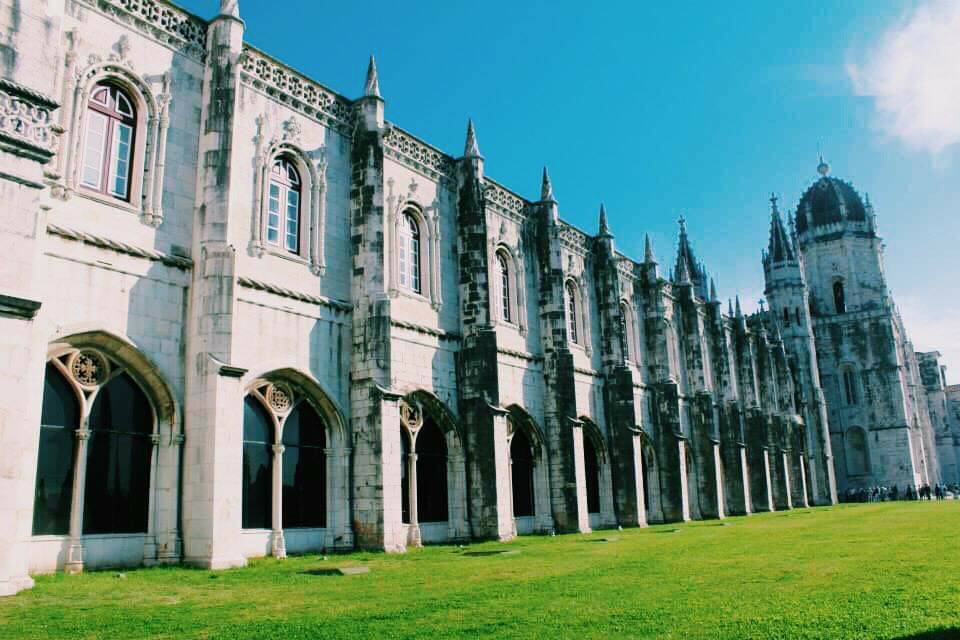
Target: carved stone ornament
point(410, 416)
point(279, 398)
point(88, 368)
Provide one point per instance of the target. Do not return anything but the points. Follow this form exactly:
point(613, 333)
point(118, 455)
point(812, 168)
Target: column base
point(278, 546)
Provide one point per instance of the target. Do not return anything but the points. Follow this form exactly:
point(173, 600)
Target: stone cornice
point(103, 242)
point(26, 126)
point(338, 305)
point(417, 154)
point(15, 307)
point(296, 90)
point(419, 328)
point(520, 354)
point(504, 200)
point(574, 239)
point(161, 20)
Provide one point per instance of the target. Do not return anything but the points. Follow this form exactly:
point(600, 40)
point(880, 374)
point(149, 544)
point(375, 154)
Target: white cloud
point(913, 74)
point(934, 327)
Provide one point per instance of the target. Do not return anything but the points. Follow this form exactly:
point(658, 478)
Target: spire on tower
point(713, 291)
point(739, 311)
point(546, 188)
point(729, 307)
point(648, 256)
point(823, 168)
point(687, 262)
point(230, 8)
point(471, 148)
point(780, 248)
point(371, 88)
point(604, 227)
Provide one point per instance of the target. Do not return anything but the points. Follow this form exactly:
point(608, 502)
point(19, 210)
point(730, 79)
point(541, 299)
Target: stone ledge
point(14, 307)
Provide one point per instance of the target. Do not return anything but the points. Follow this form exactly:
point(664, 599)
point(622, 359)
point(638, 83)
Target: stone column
point(73, 563)
point(580, 475)
point(278, 547)
point(413, 530)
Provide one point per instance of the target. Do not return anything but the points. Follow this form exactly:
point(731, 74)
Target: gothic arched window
point(573, 311)
point(521, 460)
point(58, 428)
point(628, 332)
point(304, 469)
point(591, 468)
point(839, 299)
point(503, 266)
point(283, 205)
point(108, 141)
point(257, 465)
point(409, 257)
point(117, 489)
point(850, 388)
point(431, 451)
point(786, 317)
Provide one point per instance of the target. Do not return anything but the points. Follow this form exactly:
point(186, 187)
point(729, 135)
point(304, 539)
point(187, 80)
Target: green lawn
point(866, 571)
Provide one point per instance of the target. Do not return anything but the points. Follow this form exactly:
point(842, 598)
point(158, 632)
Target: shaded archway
point(529, 473)
point(597, 476)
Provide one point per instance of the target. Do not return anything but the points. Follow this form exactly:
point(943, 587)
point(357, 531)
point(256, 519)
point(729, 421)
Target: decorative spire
point(546, 188)
point(604, 227)
point(713, 291)
point(471, 148)
point(371, 88)
point(729, 307)
point(823, 168)
point(648, 256)
point(686, 260)
point(683, 272)
point(780, 248)
point(230, 8)
point(739, 311)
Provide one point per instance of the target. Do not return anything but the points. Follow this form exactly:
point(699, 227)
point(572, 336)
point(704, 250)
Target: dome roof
point(824, 200)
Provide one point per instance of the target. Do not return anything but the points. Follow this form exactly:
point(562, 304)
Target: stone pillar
point(413, 527)
point(278, 547)
point(580, 475)
point(736, 482)
point(758, 461)
point(671, 454)
point(73, 563)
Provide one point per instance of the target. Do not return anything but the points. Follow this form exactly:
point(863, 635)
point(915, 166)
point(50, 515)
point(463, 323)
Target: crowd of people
point(884, 494)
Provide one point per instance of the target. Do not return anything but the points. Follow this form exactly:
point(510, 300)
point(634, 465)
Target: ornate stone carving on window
point(502, 253)
point(163, 21)
point(279, 397)
point(148, 160)
point(312, 167)
point(295, 90)
point(411, 416)
point(427, 218)
point(26, 126)
point(88, 368)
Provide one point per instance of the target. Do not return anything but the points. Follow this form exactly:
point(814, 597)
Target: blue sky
point(656, 110)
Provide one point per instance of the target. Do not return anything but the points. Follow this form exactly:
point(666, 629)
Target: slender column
point(745, 472)
point(74, 561)
point(277, 545)
point(803, 480)
point(580, 473)
point(150, 544)
point(685, 491)
point(718, 482)
point(766, 479)
point(332, 485)
point(413, 535)
point(786, 479)
point(640, 476)
point(513, 513)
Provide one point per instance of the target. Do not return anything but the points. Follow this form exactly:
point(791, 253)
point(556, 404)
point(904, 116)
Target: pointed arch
point(521, 419)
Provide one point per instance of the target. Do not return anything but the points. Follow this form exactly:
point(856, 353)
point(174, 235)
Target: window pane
point(273, 214)
point(96, 136)
point(293, 220)
point(54, 489)
point(117, 491)
point(120, 159)
point(431, 474)
point(257, 466)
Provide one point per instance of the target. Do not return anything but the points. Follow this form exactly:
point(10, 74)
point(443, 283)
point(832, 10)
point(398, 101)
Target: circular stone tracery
point(279, 398)
point(88, 368)
point(410, 416)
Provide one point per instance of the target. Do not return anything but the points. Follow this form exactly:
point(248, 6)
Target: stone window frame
point(269, 390)
point(516, 279)
point(850, 389)
point(121, 357)
point(148, 159)
point(582, 320)
point(519, 419)
point(632, 338)
point(313, 205)
point(428, 223)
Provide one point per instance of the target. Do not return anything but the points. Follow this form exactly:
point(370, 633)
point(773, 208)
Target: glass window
point(572, 313)
point(58, 426)
point(626, 332)
point(304, 469)
point(257, 466)
point(108, 142)
point(409, 257)
point(850, 386)
point(521, 460)
point(283, 206)
point(505, 306)
point(405, 475)
point(591, 467)
point(119, 452)
point(431, 473)
point(839, 301)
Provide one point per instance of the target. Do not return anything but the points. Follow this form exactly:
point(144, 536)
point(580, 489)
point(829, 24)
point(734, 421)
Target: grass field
point(887, 570)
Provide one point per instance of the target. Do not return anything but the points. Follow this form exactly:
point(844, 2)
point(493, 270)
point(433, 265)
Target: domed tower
point(867, 364)
point(786, 292)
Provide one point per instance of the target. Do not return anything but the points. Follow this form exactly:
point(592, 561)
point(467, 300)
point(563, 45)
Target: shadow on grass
point(936, 634)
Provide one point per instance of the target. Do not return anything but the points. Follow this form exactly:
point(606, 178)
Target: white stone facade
point(634, 397)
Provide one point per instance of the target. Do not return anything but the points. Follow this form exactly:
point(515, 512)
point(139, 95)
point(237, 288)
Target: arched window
point(409, 257)
point(796, 315)
point(257, 465)
point(108, 141)
point(117, 494)
point(786, 317)
point(591, 467)
point(431, 473)
point(283, 206)
point(521, 460)
point(503, 265)
point(572, 312)
point(839, 301)
point(304, 469)
point(628, 332)
point(58, 427)
point(858, 457)
point(850, 388)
